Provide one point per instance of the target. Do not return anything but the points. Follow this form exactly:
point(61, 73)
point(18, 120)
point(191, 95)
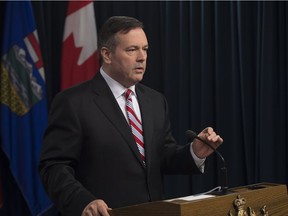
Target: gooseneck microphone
point(223, 175)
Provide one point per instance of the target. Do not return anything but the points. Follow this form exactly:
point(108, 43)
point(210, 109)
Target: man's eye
point(131, 50)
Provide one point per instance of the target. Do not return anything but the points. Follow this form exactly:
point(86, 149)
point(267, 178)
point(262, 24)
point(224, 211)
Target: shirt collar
point(116, 88)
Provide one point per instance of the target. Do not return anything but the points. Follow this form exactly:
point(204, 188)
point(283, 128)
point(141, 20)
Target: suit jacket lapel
point(107, 103)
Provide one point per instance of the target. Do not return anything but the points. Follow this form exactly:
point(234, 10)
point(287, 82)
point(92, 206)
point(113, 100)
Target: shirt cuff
point(200, 163)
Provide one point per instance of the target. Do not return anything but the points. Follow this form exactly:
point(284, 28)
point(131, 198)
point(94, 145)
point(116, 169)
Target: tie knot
point(128, 94)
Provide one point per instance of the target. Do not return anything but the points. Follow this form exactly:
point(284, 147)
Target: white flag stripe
point(82, 25)
point(42, 73)
point(33, 54)
point(31, 49)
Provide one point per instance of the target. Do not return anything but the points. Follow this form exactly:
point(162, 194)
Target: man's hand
point(96, 208)
point(200, 149)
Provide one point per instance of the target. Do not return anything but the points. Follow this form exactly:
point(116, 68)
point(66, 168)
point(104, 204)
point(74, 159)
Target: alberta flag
point(23, 107)
point(79, 50)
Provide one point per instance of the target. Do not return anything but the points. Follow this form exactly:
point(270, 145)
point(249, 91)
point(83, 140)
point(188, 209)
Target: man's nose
point(142, 55)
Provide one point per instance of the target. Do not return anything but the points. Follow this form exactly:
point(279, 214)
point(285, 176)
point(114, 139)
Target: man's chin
point(135, 80)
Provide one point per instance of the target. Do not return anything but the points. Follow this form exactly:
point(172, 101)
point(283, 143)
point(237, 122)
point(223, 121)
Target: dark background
point(220, 64)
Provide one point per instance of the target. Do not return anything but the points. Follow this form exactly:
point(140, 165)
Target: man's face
point(127, 63)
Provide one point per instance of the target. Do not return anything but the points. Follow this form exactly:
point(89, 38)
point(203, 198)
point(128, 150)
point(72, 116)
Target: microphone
point(223, 179)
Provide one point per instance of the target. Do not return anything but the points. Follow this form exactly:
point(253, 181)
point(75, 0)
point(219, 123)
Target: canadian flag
point(79, 51)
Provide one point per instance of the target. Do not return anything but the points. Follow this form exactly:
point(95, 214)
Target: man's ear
point(105, 53)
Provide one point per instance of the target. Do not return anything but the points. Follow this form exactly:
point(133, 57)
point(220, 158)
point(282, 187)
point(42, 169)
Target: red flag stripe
point(35, 45)
point(76, 5)
point(80, 60)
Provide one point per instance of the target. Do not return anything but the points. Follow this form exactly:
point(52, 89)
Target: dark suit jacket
point(89, 152)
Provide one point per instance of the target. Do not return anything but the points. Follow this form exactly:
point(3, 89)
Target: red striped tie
point(135, 123)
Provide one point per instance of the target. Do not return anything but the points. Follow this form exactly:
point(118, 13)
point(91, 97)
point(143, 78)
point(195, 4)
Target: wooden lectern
point(263, 199)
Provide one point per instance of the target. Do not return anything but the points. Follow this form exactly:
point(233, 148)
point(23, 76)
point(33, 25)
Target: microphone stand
point(223, 170)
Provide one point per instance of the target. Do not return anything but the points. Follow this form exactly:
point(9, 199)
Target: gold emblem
point(240, 209)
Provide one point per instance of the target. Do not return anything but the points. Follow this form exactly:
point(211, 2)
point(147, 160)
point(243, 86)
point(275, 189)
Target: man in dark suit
point(91, 161)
